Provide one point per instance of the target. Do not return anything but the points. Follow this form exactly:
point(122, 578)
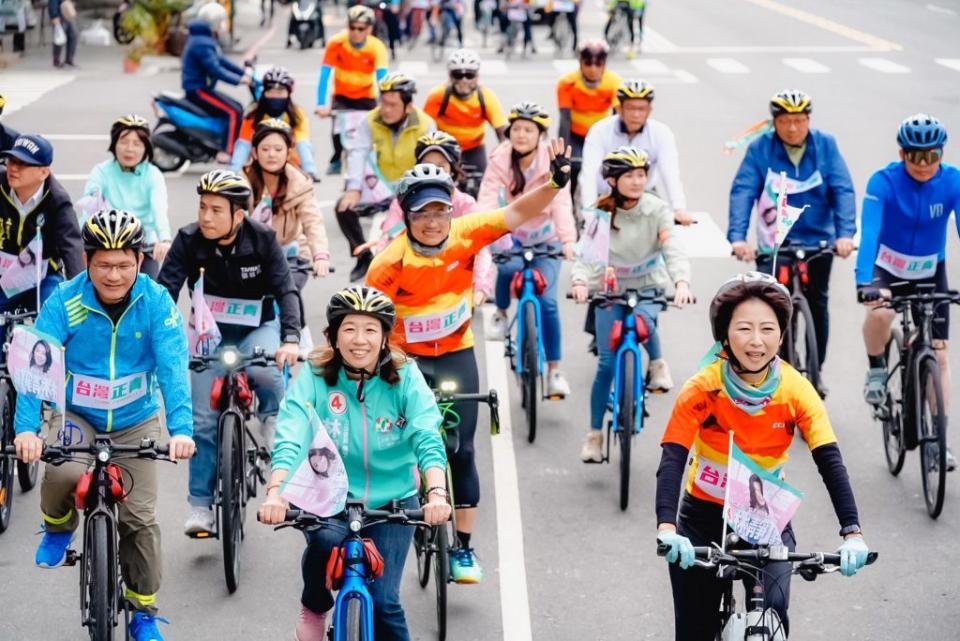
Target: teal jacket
point(142, 192)
point(382, 441)
point(148, 339)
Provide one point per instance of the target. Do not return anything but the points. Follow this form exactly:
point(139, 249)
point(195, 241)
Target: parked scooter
point(306, 23)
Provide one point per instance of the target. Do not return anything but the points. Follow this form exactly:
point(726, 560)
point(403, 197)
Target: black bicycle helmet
point(112, 229)
point(228, 184)
point(623, 159)
point(439, 141)
point(361, 300)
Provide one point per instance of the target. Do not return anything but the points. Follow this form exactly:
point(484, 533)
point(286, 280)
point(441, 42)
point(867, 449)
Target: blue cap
point(423, 197)
point(31, 149)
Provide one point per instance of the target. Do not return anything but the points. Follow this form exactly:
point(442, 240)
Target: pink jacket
point(484, 270)
point(555, 224)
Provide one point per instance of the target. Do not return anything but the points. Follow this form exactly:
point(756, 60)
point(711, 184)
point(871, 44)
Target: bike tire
point(441, 575)
point(933, 435)
point(354, 621)
point(893, 425)
point(7, 463)
point(626, 418)
point(231, 498)
point(806, 356)
point(102, 601)
point(421, 545)
point(27, 473)
point(561, 35)
point(531, 373)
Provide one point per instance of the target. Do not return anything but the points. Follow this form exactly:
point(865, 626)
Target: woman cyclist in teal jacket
point(383, 420)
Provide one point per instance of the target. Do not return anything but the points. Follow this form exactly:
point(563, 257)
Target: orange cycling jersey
point(587, 104)
point(354, 68)
point(465, 120)
point(703, 417)
point(433, 295)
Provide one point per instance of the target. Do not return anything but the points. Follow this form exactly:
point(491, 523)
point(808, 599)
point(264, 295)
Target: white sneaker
point(497, 330)
point(201, 520)
point(557, 384)
point(592, 450)
point(660, 378)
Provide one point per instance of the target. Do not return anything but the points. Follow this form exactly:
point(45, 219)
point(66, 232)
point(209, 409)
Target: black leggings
point(150, 266)
point(697, 591)
point(461, 368)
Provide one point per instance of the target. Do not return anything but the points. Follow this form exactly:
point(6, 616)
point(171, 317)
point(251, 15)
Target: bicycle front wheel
point(441, 575)
point(231, 500)
point(805, 357)
point(893, 446)
point(627, 415)
point(7, 463)
point(933, 436)
point(531, 368)
point(421, 545)
point(354, 621)
point(99, 581)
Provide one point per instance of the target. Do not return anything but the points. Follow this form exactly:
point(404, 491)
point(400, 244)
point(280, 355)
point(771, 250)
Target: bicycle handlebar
point(17, 316)
point(62, 453)
point(713, 556)
point(624, 298)
point(301, 519)
point(528, 253)
point(201, 363)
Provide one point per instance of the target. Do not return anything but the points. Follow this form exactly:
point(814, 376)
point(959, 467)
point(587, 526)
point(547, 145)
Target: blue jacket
point(149, 338)
point(203, 65)
point(909, 218)
point(822, 181)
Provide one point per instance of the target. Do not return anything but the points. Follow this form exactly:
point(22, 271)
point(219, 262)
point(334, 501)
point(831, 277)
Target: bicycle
point(447, 26)
point(560, 29)
point(472, 177)
point(527, 284)
point(912, 413)
point(100, 492)
point(441, 541)
point(485, 21)
point(618, 27)
point(352, 618)
point(759, 623)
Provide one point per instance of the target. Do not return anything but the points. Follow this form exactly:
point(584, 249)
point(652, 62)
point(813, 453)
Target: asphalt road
point(582, 568)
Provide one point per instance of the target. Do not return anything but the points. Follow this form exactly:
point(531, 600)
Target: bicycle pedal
point(556, 397)
point(72, 557)
point(201, 535)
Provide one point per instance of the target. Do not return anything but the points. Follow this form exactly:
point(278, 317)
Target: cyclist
point(632, 10)
point(203, 66)
point(276, 102)
point(747, 390)
point(462, 108)
point(633, 127)
point(517, 11)
point(357, 60)
point(520, 165)
point(428, 272)
point(7, 133)
point(447, 11)
point(32, 199)
point(363, 370)
point(570, 9)
point(817, 176)
point(111, 299)
point(244, 267)
point(645, 254)
point(905, 215)
point(384, 142)
point(131, 182)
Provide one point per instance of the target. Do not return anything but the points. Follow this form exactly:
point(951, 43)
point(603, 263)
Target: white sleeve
point(590, 167)
point(668, 161)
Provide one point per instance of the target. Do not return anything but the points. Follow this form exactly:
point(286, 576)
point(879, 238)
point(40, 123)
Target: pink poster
point(318, 484)
point(35, 361)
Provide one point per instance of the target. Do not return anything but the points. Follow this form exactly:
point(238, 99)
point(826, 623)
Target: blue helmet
point(921, 131)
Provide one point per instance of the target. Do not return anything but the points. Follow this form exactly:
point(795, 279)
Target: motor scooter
point(306, 24)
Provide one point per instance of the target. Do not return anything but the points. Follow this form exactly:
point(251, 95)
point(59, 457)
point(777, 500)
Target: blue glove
point(680, 546)
point(853, 555)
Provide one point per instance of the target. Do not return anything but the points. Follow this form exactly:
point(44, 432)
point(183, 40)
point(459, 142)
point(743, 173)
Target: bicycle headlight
point(448, 387)
point(229, 357)
point(103, 456)
point(528, 255)
point(631, 301)
point(355, 526)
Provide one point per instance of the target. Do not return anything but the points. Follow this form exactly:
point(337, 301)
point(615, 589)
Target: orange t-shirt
point(354, 69)
point(434, 295)
point(464, 119)
point(587, 105)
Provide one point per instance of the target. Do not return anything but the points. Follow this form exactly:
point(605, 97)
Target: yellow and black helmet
point(3, 103)
point(439, 141)
point(112, 229)
point(530, 111)
point(790, 101)
point(399, 82)
point(624, 159)
point(228, 184)
point(361, 300)
point(635, 89)
point(131, 122)
point(269, 126)
point(361, 14)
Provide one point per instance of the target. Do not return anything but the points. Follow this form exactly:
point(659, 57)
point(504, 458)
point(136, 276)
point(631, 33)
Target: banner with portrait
point(318, 481)
point(36, 363)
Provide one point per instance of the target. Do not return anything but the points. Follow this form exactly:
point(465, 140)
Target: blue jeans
point(267, 382)
point(393, 541)
point(549, 312)
point(606, 317)
point(28, 299)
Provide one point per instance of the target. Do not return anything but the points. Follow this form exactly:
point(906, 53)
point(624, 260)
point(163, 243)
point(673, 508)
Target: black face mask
point(275, 107)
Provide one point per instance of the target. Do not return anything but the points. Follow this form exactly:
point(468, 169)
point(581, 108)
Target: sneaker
point(464, 566)
point(143, 627)
point(592, 347)
point(557, 384)
point(334, 168)
point(951, 461)
point(875, 387)
point(659, 376)
point(592, 450)
point(52, 551)
point(360, 269)
point(202, 521)
point(310, 626)
point(497, 330)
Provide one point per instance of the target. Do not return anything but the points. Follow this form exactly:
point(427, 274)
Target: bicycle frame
point(528, 295)
point(354, 587)
point(628, 343)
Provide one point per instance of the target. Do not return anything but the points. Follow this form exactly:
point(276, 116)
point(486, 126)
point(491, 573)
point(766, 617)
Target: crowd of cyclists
point(116, 270)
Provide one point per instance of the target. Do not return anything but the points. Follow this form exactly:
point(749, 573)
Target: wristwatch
point(292, 338)
point(850, 529)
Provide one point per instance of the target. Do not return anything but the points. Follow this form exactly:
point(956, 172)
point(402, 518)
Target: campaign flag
point(202, 330)
point(594, 244)
point(786, 215)
point(36, 362)
point(24, 272)
point(758, 504)
point(319, 483)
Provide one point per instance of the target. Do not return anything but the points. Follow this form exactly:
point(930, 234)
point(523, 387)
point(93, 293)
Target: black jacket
point(8, 135)
point(253, 268)
point(60, 230)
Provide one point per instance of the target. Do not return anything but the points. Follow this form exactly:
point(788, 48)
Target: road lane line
point(949, 63)
point(728, 65)
point(22, 89)
point(566, 65)
point(806, 65)
point(63, 177)
point(655, 42)
point(944, 10)
point(828, 25)
point(75, 137)
point(650, 67)
point(883, 65)
point(514, 600)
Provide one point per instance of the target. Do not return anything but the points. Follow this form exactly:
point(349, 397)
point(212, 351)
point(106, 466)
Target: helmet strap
point(738, 367)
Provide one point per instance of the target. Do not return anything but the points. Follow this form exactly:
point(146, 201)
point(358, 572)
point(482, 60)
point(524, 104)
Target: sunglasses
point(434, 216)
point(463, 75)
point(359, 27)
point(923, 156)
point(593, 61)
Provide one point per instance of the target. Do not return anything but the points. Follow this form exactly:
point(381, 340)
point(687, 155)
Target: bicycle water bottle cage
point(539, 283)
point(616, 332)
point(244, 395)
point(783, 275)
point(804, 273)
point(86, 481)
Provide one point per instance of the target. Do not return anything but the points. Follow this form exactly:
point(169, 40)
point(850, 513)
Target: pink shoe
point(311, 626)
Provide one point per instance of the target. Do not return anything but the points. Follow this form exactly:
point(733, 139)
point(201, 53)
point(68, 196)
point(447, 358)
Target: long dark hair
point(254, 173)
point(143, 134)
point(519, 180)
point(610, 203)
point(754, 503)
point(48, 353)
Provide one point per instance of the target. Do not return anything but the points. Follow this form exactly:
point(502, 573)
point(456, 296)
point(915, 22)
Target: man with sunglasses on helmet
point(906, 212)
point(817, 178)
point(122, 333)
point(633, 127)
point(243, 268)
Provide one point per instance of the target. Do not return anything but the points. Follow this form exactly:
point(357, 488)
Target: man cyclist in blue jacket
point(817, 176)
point(906, 211)
point(203, 66)
point(123, 337)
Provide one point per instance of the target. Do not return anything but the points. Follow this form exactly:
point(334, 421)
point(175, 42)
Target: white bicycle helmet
point(463, 60)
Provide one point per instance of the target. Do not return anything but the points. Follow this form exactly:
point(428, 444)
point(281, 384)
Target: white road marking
point(949, 63)
point(806, 65)
point(728, 65)
point(684, 77)
point(63, 177)
point(650, 67)
point(414, 67)
point(494, 68)
point(514, 600)
point(703, 240)
point(75, 137)
point(883, 65)
point(829, 25)
point(565, 66)
point(944, 10)
point(655, 42)
point(22, 89)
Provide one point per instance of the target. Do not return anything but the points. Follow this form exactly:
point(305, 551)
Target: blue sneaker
point(464, 566)
point(143, 627)
point(52, 551)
